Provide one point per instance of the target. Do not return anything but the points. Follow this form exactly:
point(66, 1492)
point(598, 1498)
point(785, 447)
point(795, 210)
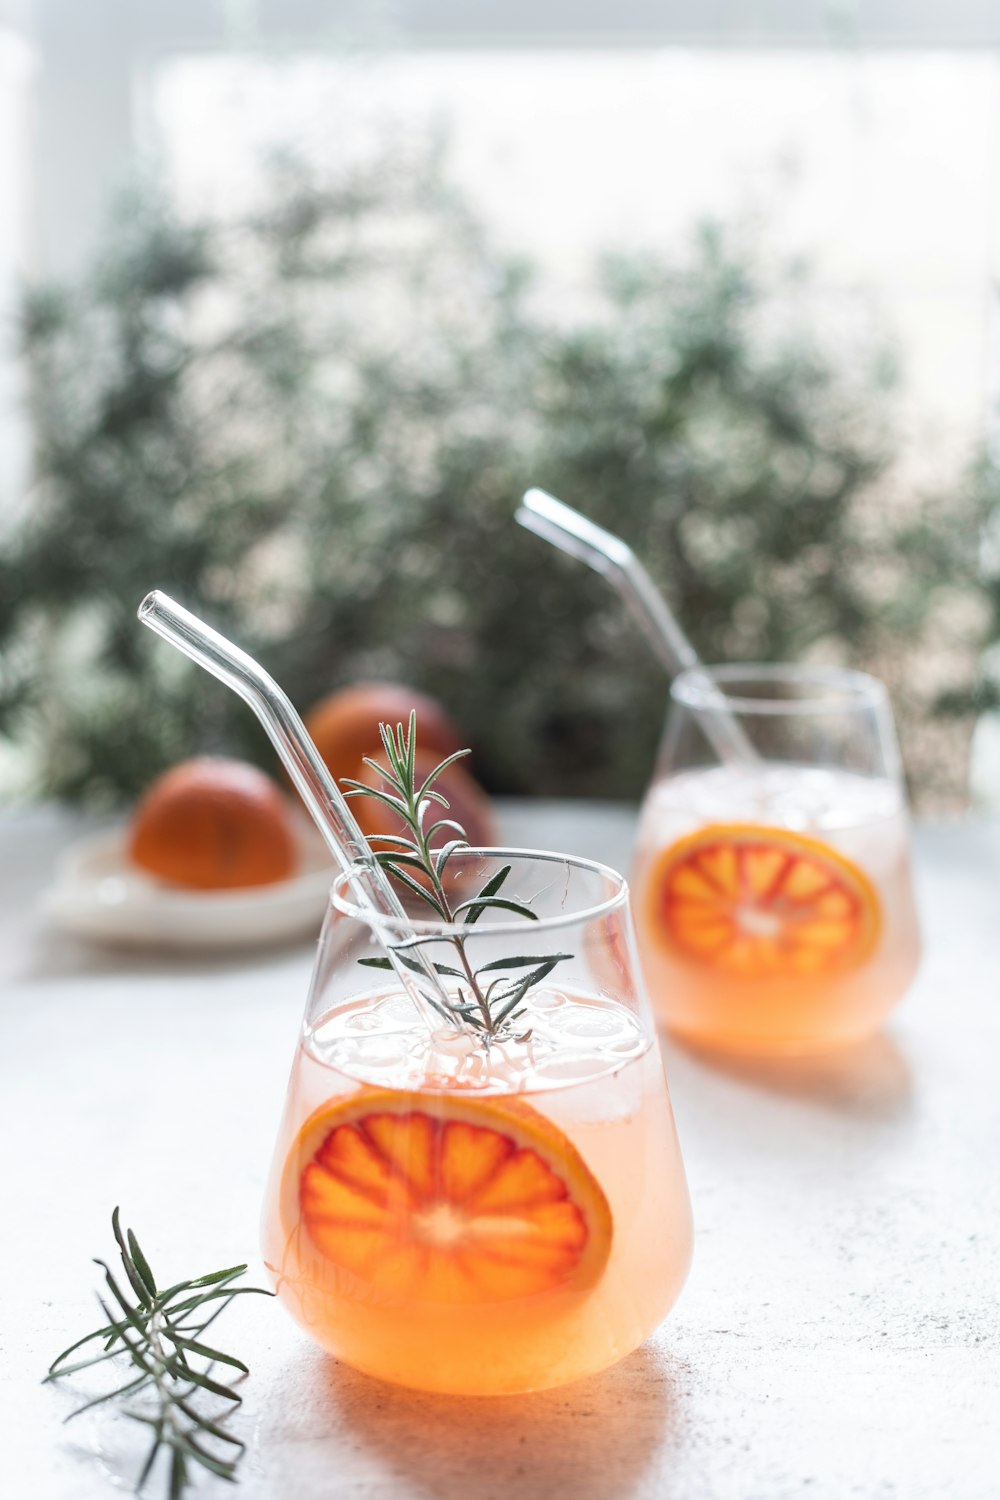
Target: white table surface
point(840, 1332)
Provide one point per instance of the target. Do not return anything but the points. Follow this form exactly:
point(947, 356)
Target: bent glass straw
point(316, 785)
point(614, 559)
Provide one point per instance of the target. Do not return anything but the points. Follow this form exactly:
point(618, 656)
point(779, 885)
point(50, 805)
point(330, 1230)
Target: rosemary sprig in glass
point(490, 1006)
point(160, 1334)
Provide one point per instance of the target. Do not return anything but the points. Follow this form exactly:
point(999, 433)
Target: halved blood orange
point(760, 902)
point(447, 1199)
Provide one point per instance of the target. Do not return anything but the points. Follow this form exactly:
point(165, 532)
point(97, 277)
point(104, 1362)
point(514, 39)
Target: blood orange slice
point(447, 1200)
point(761, 902)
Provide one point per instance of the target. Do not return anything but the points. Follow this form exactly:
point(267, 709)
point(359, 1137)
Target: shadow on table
point(591, 1440)
point(871, 1079)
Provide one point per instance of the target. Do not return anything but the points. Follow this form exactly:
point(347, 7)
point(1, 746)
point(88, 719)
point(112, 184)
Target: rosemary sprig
point(169, 1367)
point(491, 1008)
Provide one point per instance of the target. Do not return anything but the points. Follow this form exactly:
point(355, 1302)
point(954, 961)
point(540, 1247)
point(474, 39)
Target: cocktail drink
point(773, 898)
point(476, 1186)
point(479, 1210)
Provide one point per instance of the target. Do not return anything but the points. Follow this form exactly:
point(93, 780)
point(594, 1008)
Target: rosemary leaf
point(207, 1425)
point(136, 1282)
point(215, 1356)
point(523, 961)
point(489, 889)
point(178, 1473)
point(453, 845)
point(478, 904)
point(389, 857)
point(433, 776)
point(216, 1278)
point(439, 797)
point(141, 1264)
point(358, 789)
point(445, 970)
point(416, 889)
point(514, 997)
point(184, 1372)
point(147, 1467)
point(219, 1291)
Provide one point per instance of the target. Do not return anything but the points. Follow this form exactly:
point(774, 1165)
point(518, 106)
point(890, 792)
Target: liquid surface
point(804, 799)
point(569, 1039)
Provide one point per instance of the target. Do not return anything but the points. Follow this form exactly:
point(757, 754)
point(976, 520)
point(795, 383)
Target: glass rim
point(435, 927)
point(830, 689)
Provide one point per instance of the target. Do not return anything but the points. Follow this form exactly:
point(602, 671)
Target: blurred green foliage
point(313, 427)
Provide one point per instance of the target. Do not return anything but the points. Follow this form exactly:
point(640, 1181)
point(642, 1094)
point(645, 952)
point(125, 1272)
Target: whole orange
point(213, 824)
point(344, 725)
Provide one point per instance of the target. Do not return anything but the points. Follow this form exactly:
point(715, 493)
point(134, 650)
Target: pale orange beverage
point(472, 1219)
point(773, 895)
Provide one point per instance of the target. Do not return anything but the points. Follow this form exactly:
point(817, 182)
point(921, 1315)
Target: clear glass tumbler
point(772, 893)
point(473, 1214)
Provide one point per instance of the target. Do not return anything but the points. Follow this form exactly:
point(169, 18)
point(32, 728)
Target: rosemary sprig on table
point(160, 1333)
point(491, 1007)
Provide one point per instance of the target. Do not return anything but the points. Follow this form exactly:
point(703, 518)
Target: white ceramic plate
point(98, 894)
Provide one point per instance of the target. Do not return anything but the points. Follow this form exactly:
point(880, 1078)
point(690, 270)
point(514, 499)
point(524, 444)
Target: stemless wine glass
point(773, 897)
point(475, 1214)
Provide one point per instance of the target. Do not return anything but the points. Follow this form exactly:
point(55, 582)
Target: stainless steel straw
point(614, 559)
point(317, 787)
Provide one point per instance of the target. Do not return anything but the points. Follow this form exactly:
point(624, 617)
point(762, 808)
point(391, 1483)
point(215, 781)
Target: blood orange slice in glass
point(447, 1199)
point(758, 902)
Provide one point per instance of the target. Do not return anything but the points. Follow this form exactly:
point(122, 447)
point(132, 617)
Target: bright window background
point(878, 164)
point(881, 168)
